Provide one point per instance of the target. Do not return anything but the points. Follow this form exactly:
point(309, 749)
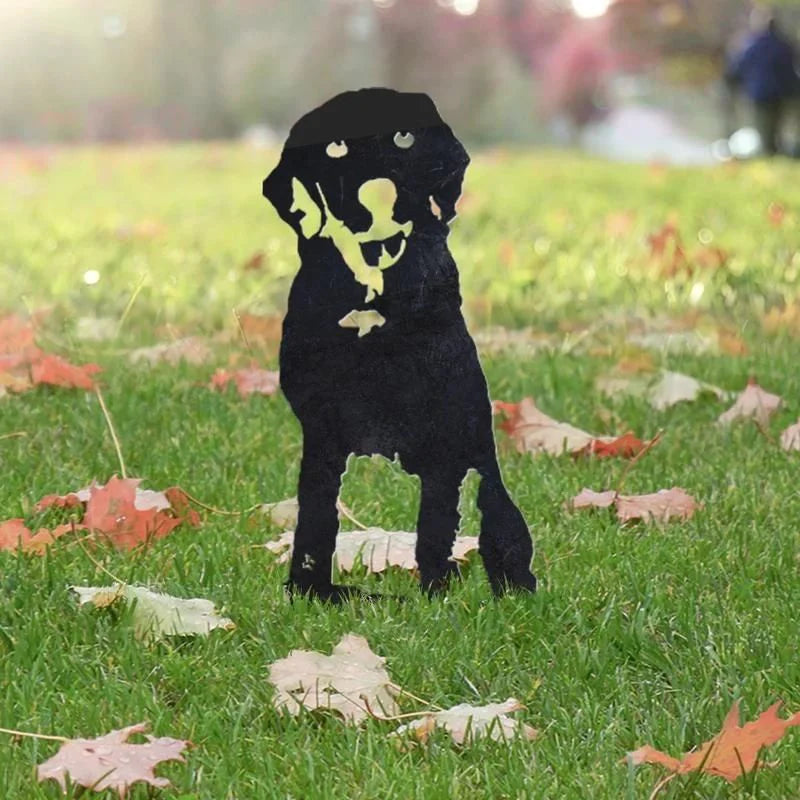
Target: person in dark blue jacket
point(764, 70)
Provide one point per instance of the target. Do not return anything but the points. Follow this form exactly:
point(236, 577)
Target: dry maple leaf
point(375, 548)
point(247, 381)
point(283, 512)
point(338, 682)
point(732, 752)
point(657, 507)
point(790, 438)
point(752, 403)
point(110, 762)
point(534, 432)
point(156, 615)
point(662, 390)
point(466, 723)
point(192, 350)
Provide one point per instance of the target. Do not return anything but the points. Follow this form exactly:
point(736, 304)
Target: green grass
point(639, 635)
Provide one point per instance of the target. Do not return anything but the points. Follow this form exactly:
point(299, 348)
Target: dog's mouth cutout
point(385, 253)
point(367, 254)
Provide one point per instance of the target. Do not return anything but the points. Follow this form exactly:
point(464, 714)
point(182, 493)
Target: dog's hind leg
point(436, 529)
point(504, 542)
point(317, 522)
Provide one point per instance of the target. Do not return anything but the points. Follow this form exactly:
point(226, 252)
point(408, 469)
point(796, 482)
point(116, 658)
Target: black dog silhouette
point(375, 355)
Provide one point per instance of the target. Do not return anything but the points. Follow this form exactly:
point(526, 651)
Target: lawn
point(639, 634)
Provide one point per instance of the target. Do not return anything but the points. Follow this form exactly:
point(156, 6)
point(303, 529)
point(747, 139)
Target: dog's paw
point(438, 585)
point(332, 594)
point(526, 582)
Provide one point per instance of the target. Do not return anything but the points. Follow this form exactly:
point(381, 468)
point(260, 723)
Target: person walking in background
point(765, 71)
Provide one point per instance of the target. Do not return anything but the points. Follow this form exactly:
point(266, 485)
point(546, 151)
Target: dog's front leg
point(505, 541)
point(317, 522)
point(436, 530)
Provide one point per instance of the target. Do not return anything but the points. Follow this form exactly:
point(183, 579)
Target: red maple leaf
point(14, 533)
point(626, 446)
point(55, 371)
point(112, 511)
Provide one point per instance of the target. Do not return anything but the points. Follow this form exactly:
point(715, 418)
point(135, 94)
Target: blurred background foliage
point(500, 70)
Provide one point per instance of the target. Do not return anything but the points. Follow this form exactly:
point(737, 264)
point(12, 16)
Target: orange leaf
point(58, 372)
point(181, 505)
point(14, 534)
point(626, 446)
point(247, 381)
point(732, 752)
point(112, 511)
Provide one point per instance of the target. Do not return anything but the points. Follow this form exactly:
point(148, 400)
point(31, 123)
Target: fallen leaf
point(14, 534)
point(587, 498)
point(675, 387)
point(112, 511)
point(790, 438)
point(785, 318)
point(338, 682)
point(776, 213)
point(534, 432)
point(260, 330)
point(191, 349)
point(466, 723)
point(143, 499)
point(247, 381)
point(662, 390)
point(619, 223)
point(255, 262)
point(707, 257)
point(55, 371)
point(731, 344)
point(666, 248)
point(374, 548)
point(625, 446)
point(752, 403)
point(157, 615)
point(732, 752)
point(283, 512)
point(110, 762)
point(658, 507)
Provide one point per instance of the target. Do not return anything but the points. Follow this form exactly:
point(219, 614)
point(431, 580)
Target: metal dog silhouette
point(375, 355)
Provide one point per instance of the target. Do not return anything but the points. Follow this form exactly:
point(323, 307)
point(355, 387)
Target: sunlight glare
point(588, 9)
point(466, 7)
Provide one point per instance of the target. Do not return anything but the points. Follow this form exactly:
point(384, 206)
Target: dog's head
point(368, 170)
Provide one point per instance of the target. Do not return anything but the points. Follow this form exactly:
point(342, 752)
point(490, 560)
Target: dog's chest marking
point(363, 321)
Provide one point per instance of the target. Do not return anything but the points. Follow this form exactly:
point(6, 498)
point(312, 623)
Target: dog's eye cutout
point(404, 140)
point(336, 149)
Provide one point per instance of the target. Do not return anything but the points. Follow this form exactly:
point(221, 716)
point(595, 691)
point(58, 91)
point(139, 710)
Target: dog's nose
point(378, 196)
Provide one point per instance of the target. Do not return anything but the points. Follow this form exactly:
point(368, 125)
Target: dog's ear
point(453, 161)
point(292, 199)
